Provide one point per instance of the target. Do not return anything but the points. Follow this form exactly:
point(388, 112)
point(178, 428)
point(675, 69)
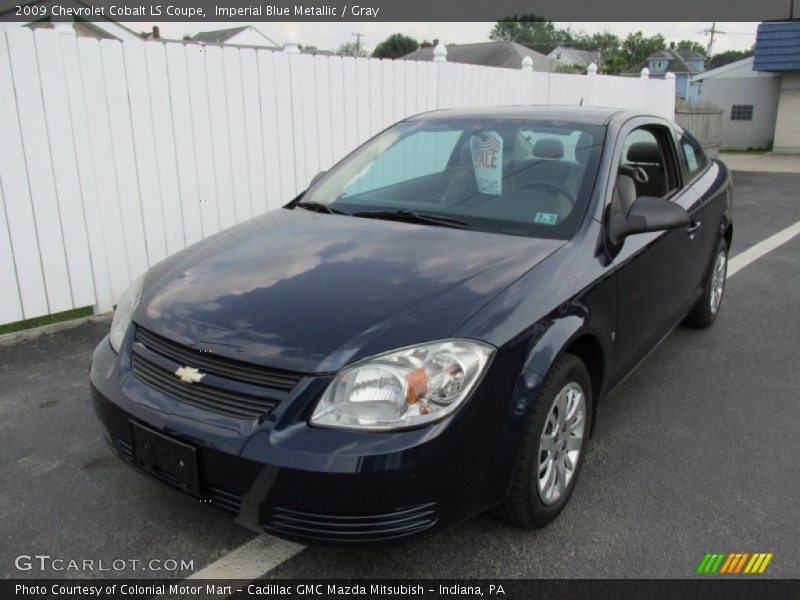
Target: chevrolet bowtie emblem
point(189, 374)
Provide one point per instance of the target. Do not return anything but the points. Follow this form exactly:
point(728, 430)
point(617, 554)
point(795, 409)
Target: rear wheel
point(552, 449)
point(707, 308)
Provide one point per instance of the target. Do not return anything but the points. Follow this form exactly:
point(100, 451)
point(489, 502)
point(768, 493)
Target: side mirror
point(647, 213)
point(316, 178)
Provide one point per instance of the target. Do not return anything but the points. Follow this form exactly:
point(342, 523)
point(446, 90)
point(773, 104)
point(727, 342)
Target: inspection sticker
point(487, 160)
point(546, 218)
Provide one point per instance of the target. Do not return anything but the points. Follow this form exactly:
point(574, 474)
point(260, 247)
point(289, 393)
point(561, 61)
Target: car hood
point(311, 292)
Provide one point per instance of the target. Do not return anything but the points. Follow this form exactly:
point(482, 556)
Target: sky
point(328, 36)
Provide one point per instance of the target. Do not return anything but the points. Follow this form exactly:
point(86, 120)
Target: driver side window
point(644, 169)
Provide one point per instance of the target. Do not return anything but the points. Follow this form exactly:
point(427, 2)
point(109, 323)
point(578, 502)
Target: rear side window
point(693, 155)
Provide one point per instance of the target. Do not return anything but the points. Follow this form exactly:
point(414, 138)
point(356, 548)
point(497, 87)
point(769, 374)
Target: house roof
point(220, 36)
point(778, 46)
point(584, 57)
point(504, 54)
point(104, 26)
point(676, 61)
point(739, 69)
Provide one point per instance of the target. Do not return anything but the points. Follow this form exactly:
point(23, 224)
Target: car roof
point(574, 114)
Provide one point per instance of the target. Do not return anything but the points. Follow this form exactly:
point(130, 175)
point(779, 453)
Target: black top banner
point(393, 10)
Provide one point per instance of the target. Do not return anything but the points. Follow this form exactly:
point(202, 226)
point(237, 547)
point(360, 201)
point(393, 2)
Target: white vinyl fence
point(115, 155)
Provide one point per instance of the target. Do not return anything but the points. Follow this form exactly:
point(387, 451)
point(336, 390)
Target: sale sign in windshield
point(487, 161)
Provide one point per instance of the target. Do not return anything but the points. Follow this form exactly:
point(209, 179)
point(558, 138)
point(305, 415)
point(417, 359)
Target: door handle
point(693, 227)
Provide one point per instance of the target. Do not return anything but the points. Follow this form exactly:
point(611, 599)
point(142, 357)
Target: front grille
point(226, 402)
point(237, 370)
point(222, 499)
point(364, 528)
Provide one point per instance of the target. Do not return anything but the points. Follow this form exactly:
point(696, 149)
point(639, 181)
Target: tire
point(706, 310)
point(526, 505)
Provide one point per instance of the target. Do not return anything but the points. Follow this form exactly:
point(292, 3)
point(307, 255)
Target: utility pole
point(358, 37)
point(713, 31)
point(711, 39)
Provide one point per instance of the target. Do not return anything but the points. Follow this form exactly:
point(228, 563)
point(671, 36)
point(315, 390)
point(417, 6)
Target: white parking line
point(251, 560)
point(264, 553)
point(740, 261)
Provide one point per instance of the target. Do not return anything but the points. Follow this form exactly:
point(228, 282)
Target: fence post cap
point(440, 53)
point(645, 74)
point(592, 69)
point(291, 45)
point(527, 63)
point(669, 76)
point(64, 27)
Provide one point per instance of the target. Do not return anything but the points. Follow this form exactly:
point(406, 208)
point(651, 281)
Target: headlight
point(124, 313)
point(403, 388)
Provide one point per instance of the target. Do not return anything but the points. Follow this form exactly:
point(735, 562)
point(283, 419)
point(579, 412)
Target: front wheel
point(707, 308)
point(552, 449)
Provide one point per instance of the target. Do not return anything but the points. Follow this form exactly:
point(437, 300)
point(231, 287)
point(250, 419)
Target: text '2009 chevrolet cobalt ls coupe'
point(426, 332)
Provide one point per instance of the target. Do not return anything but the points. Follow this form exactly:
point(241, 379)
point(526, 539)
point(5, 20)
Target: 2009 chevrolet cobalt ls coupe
point(427, 331)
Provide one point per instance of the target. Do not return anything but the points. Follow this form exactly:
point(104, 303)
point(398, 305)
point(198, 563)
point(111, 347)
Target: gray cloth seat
point(646, 155)
point(555, 169)
point(624, 195)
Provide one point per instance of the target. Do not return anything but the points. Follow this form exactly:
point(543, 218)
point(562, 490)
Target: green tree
point(691, 46)
point(532, 30)
point(351, 49)
point(729, 56)
point(613, 62)
point(637, 47)
point(572, 68)
point(603, 41)
point(395, 46)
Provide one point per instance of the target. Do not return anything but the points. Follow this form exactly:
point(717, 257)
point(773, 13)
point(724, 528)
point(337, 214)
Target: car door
point(654, 272)
point(707, 182)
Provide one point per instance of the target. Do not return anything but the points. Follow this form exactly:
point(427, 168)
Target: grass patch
point(75, 313)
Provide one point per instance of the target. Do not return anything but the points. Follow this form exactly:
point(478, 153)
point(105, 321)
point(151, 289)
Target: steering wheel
point(553, 187)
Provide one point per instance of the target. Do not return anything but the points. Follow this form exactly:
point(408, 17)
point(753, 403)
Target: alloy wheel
point(718, 281)
point(561, 443)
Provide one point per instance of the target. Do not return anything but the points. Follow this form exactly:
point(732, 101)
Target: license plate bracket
point(166, 458)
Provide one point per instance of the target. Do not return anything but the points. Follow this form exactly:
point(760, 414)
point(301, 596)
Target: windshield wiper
point(321, 208)
point(409, 216)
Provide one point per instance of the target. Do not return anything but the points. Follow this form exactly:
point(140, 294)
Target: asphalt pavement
point(696, 452)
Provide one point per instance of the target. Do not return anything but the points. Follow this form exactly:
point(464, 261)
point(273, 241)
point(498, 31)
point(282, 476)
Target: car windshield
point(511, 176)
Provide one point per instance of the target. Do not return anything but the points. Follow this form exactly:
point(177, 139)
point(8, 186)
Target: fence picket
point(180, 105)
point(206, 172)
point(36, 149)
point(119, 112)
point(253, 131)
point(143, 128)
point(105, 177)
point(220, 135)
point(20, 231)
point(163, 131)
point(238, 142)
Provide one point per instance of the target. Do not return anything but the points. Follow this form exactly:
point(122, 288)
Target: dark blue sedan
point(427, 332)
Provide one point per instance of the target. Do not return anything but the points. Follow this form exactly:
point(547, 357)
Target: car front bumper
point(330, 486)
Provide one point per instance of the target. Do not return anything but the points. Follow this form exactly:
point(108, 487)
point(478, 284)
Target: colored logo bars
point(735, 562)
